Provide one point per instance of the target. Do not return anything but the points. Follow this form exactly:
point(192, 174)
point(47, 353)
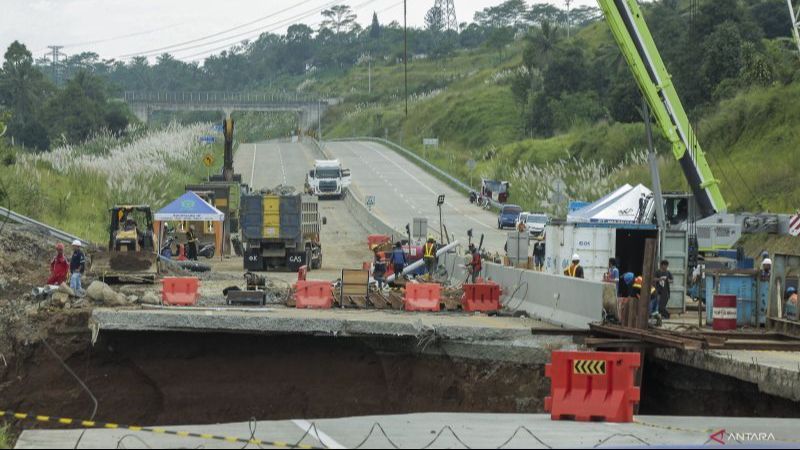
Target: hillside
point(468, 102)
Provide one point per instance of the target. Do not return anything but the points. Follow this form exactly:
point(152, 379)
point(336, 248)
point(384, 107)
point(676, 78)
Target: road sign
point(440, 200)
point(207, 140)
point(794, 225)
point(430, 142)
point(208, 160)
point(471, 164)
point(370, 202)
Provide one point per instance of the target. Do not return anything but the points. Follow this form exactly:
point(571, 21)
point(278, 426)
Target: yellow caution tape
point(116, 426)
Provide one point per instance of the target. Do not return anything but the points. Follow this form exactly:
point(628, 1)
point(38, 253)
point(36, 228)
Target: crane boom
point(630, 30)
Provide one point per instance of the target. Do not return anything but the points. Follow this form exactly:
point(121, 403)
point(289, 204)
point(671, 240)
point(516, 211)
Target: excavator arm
point(630, 30)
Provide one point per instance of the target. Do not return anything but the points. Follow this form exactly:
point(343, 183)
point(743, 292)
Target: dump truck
point(280, 231)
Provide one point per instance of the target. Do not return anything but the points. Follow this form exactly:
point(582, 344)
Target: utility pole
point(369, 75)
point(405, 50)
point(54, 55)
point(319, 120)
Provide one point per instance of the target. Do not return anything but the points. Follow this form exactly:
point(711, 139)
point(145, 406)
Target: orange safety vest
point(429, 250)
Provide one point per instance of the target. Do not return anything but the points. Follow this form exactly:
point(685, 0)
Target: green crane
point(630, 30)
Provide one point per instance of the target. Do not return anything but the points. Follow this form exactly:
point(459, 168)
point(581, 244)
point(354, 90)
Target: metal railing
point(212, 97)
point(7, 214)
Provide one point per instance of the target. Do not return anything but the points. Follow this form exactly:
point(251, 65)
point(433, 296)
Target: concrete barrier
point(555, 299)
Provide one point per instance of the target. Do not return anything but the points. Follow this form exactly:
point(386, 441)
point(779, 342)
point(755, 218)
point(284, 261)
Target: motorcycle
point(207, 251)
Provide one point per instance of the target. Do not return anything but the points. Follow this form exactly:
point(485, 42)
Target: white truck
point(328, 179)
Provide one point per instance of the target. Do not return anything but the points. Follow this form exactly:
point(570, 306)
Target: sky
point(121, 28)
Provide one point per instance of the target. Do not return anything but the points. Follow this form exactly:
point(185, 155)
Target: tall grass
point(73, 186)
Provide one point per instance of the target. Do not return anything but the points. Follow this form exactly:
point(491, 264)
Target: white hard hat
point(576, 257)
point(766, 261)
point(76, 243)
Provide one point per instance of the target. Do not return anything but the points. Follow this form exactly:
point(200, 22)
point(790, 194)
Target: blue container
point(743, 287)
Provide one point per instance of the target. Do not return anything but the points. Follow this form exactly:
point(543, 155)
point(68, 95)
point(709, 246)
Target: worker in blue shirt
point(77, 265)
point(398, 260)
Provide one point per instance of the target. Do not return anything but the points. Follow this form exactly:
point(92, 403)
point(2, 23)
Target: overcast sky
point(119, 28)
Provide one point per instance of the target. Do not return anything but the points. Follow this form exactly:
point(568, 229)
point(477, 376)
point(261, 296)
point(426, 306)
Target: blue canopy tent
point(190, 207)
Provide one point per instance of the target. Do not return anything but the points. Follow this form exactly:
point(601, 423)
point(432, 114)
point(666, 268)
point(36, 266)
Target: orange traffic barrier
point(481, 297)
point(313, 295)
point(181, 252)
point(592, 386)
point(180, 291)
point(422, 297)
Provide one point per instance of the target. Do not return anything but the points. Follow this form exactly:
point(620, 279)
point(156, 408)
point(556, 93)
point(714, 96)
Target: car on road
point(508, 216)
point(535, 223)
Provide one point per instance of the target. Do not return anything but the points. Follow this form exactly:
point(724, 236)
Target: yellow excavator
point(131, 254)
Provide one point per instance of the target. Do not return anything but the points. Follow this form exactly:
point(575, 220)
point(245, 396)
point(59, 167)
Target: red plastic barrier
point(313, 295)
point(374, 240)
point(302, 273)
point(592, 386)
point(180, 291)
point(422, 297)
point(482, 297)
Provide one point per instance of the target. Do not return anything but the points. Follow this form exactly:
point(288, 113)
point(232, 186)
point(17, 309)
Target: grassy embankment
point(72, 187)
point(466, 102)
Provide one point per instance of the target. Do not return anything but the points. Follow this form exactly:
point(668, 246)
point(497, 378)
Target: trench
point(184, 378)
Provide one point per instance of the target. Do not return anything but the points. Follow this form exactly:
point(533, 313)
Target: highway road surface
point(264, 165)
point(403, 191)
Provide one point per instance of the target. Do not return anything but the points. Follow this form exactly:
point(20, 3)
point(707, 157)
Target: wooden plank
point(661, 340)
point(642, 315)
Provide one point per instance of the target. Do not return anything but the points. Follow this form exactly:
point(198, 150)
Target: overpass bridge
point(308, 109)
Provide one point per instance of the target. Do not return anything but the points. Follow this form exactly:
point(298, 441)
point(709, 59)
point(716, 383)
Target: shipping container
point(597, 242)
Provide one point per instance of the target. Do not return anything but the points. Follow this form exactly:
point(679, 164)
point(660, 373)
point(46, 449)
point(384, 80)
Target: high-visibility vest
point(571, 270)
point(430, 250)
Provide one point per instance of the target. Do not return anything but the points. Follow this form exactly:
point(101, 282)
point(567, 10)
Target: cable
point(124, 36)
point(603, 441)
point(202, 38)
point(276, 26)
point(525, 429)
point(131, 436)
point(80, 382)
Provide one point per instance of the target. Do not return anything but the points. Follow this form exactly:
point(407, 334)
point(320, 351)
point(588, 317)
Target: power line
point(219, 33)
point(124, 36)
point(272, 27)
point(276, 26)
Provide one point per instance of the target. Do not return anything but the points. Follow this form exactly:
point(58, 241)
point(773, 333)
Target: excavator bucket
point(124, 266)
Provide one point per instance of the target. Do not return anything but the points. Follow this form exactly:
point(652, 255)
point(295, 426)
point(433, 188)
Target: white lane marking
point(283, 167)
point(253, 169)
point(326, 440)
point(483, 224)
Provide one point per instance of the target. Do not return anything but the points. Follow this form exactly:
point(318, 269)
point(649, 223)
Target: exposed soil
point(174, 378)
point(673, 389)
point(24, 260)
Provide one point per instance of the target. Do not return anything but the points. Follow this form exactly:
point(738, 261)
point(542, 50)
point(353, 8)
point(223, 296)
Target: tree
point(510, 13)
point(773, 18)
point(23, 89)
point(434, 20)
point(22, 86)
point(541, 13)
point(722, 56)
point(339, 18)
point(499, 38)
point(375, 27)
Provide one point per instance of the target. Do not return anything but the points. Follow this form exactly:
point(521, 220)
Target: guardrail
point(54, 232)
point(421, 162)
point(220, 97)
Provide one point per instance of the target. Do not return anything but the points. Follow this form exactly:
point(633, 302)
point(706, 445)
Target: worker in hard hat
point(574, 270)
point(790, 310)
point(766, 269)
point(398, 260)
point(379, 268)
point(59, 267)
point(429, 256)
point(77, 265)
point(476, 263)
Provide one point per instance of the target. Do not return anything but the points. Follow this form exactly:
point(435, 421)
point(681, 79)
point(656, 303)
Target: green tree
point(339, 19)
point(434, 20)
point(375, 27)
point(23, 89)
point(722, 55)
